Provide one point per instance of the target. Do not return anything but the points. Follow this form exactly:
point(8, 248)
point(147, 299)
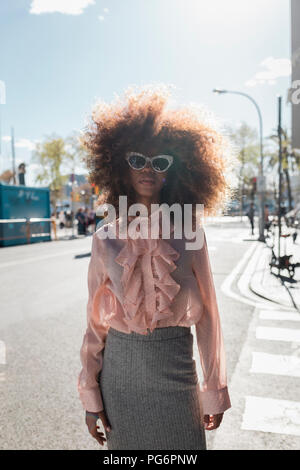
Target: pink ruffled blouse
point(141, 284)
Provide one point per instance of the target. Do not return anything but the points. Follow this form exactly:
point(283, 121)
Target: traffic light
point(95, 189)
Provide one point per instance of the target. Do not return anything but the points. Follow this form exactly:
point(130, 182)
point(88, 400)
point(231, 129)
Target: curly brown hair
point(140, 121)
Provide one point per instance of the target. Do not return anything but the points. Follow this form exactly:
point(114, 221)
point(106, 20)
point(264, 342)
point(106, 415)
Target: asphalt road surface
point(43, 318)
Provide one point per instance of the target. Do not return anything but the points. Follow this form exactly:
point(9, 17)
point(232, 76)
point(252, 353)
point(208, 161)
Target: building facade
point(295, 43)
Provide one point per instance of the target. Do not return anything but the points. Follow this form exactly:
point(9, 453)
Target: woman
point(138, 373)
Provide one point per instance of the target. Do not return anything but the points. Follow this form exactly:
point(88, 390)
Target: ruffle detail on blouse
point(148, 287)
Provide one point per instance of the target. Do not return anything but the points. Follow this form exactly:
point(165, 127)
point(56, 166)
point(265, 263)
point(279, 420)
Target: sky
point(58, 56)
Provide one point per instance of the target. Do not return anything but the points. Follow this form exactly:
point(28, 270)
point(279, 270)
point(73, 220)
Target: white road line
point(229, 280)
point(276, 364)
point(2, 376)
point(279, 315)
point(2, 352)
point(245, 279)
point(278, 334)
point(270, 415)
point(212, 248)
point(40, 258)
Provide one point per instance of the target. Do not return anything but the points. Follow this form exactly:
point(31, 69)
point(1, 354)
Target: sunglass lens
point(160, 163)
point(137, 161)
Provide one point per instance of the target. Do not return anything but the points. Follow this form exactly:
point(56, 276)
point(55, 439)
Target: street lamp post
point(72, 201)
point(262, 189)
point(2, 101)
point(280, 176)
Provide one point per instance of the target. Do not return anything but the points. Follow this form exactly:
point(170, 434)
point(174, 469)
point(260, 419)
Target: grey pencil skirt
point(150, 391)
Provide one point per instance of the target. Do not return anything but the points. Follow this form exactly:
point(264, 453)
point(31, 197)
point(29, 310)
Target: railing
point(28, 231)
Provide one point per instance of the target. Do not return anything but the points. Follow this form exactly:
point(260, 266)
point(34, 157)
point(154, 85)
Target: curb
point(258, 278)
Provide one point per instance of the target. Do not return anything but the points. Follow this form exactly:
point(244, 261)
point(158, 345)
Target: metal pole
point(262, 193)
point(13, 155)
point(279, 170)
point(0, 131)
point(2, 101)
point(72, 209)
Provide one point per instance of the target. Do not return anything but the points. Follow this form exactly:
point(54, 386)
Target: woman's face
point(147, 182)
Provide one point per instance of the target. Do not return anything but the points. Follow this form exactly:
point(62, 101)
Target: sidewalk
point(68, 233)
point(270, 286)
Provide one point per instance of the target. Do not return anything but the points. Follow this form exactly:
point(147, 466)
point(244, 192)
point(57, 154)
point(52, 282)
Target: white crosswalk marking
point(279, 315)
point(270, 415)
point(276, 364)
point(278, 334)
point(2, 352)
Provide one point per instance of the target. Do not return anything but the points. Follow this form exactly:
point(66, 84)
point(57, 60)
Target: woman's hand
point(91, 422)
point(212, 421)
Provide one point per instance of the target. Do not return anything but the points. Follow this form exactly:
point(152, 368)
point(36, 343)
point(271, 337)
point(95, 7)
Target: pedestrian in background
point(53, 223)
point(86, 214)
point(250, 215)
point(81, 226)
point(62, 219)
point(68, 218)
point(267, 222)
point(92, 220)
point(138, 373)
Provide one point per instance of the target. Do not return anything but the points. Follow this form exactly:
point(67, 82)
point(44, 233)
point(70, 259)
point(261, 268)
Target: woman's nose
point(148, 165)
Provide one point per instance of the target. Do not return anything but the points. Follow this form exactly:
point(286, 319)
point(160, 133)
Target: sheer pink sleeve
point(96, 332)
point(214, 392)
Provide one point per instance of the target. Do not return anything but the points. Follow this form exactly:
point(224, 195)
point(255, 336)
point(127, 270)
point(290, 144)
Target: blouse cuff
point(91, 400)
point(215, 401)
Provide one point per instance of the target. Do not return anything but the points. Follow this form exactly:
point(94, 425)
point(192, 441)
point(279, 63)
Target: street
point(43, 318)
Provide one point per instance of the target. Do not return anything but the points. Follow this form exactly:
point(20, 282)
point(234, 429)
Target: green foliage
point(57, 158)
point(244, 139)
point(50, 156)
point(290, 160)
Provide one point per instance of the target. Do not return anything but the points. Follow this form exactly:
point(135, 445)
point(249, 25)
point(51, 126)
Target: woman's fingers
point(106, 424)
point(206, 418)
point(100, 439)
point(212, 421)
point(93, 430)
point(209, 423)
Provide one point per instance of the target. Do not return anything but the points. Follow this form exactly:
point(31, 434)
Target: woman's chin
point(146, 192)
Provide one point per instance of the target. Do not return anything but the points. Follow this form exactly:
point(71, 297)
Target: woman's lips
point(147, 181)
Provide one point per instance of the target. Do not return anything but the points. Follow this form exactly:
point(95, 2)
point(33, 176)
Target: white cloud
point(21, 143)
point(68, 7)
point(2, 92)
point(273, 69)
point(25, 143)
point(101, 17)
